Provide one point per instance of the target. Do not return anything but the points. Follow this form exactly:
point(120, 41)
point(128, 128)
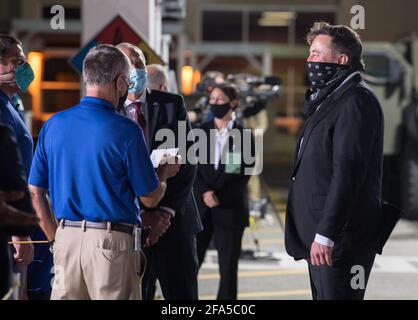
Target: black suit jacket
point(230, 188)
point(12, 178)
point(164, 110)
point(336, 184)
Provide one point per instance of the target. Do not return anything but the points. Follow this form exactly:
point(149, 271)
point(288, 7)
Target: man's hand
point(10, 216)
point(321, 255)
point(24, 252)
point(7, 78)
point(159, 221)
point(210, 199)
point(168, 167)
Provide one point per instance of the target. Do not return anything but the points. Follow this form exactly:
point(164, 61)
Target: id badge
point(137, 239)
point(233, 163)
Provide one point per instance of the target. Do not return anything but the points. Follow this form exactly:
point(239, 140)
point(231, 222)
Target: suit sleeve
point(180, 186)
point(355, 132)
point(13, 177)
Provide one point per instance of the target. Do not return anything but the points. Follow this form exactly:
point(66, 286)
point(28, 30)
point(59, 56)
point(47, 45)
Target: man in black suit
point(173, 259)
point(13, 190)
point(334, 214)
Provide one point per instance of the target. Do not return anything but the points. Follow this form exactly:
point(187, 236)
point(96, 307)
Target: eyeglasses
point(130, 84)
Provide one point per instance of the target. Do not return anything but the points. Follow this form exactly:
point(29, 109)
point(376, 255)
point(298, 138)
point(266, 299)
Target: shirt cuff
point(168, 210)
point(324, 240)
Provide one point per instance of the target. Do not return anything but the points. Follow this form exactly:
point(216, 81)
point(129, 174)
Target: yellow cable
point(29, 242)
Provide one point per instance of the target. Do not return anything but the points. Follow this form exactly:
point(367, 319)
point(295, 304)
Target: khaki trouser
point(95, 264)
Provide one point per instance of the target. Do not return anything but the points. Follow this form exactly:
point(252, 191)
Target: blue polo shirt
point(10, 117)
point(94, 162)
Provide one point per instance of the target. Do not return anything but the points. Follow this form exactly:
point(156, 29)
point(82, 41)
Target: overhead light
point(187, 80)
point(273, 23)
point(276, 18)
point(285, 15)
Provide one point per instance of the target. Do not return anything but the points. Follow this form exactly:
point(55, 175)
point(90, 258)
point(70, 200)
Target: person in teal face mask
point(16, 76)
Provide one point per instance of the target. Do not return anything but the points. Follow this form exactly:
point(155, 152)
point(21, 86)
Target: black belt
point(125, 228)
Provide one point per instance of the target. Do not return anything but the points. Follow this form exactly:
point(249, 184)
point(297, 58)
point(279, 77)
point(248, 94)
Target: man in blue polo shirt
point(95, 165)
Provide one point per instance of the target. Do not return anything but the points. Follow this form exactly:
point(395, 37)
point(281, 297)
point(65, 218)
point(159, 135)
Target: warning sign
point(117, 31)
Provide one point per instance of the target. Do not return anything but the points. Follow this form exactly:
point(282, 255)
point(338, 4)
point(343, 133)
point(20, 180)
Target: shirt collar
point(140, 99)
point(4, 97)
point(97, 102)
point(228, 128)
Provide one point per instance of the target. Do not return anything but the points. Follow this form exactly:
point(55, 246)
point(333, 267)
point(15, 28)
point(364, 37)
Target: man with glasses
point(95, 165)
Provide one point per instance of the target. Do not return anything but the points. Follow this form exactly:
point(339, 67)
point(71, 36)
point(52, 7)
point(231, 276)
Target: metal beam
point(35, 26)
point(244, 49)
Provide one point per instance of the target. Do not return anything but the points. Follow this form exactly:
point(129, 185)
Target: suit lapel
point(152, 112)
point(311, 123)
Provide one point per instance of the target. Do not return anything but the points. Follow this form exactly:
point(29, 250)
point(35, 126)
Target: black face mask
point(220, 110)
point(321, 73)
point(121, 101)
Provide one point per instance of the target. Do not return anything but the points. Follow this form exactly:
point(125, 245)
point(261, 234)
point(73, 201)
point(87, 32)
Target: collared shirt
point(10, 117)
point(221, 138)
point(94, 162)
point(140, 99)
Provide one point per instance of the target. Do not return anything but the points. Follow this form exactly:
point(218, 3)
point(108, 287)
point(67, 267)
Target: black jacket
point(12, 178)
point(336, 181)
point(164, 111)
point(230, 188)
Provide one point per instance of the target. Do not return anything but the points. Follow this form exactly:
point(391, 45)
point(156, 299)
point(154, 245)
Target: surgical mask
point(140, 79)
point(220, 110)
point(24, 76)
point(320, 73)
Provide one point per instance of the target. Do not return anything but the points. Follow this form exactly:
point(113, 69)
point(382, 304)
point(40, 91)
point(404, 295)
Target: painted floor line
point(265, 294)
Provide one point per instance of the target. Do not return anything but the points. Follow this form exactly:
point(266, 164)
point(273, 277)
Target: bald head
point(158, 79)
point(135, 55)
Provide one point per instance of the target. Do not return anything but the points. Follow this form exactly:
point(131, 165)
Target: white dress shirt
point(221, 138)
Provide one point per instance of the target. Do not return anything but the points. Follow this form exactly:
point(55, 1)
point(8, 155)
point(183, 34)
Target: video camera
point(254, 92)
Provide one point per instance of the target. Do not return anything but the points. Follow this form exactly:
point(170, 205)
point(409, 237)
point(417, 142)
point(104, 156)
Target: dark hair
point(344, 39)
point(6, 42)
point(229, 90)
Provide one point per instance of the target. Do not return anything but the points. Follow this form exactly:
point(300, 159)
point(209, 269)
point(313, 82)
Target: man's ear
point(119, 83)
point(342, 59)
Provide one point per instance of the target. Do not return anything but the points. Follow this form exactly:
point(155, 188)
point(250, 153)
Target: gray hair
point(157, 76)
point(136, 56)
point(103, 64)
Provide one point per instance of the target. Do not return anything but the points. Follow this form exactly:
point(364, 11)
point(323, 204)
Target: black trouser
point(228, 244)
point(173, 261)
point(347, 281)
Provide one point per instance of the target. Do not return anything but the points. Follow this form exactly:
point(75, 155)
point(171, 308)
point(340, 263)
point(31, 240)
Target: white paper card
point(158, 154)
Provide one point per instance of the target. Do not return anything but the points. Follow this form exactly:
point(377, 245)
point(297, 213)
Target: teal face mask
point(24, 76)
point(140, 79)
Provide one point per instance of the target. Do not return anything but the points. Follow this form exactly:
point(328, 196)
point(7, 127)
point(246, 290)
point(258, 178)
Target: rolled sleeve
point(140, 170)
